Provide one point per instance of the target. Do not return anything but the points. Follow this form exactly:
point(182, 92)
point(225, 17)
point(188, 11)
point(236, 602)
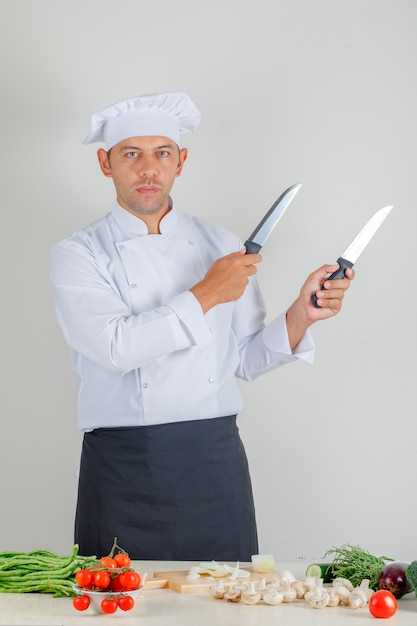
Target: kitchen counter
point(164, 607)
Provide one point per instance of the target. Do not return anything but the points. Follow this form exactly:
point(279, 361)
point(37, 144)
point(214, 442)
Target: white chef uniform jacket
point(143, 351)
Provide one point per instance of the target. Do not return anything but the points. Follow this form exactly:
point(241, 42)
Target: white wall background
point(315, 91)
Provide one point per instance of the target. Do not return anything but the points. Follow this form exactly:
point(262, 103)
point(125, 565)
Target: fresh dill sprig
point(356, 564)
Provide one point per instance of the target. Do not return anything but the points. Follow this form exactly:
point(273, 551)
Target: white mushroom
point(313, 581)
point(261, 585)
point(343, 593)
point(300, 588)
point(272, 596)
point(364, 586)
point(317, 597)
point(358, 598)
point(288, 577)
point(275, 583)
point(233, 594)
point(218, 589)
point(334, 599)
point(250, 595)
point(287, 591)
point(343, 588)
point(344, 582)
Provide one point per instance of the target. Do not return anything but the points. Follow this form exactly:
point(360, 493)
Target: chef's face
point(143, 170)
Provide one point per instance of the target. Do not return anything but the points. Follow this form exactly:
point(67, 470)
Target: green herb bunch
point(356, 564)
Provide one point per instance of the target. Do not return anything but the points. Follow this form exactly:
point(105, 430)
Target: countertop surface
point(162, 607)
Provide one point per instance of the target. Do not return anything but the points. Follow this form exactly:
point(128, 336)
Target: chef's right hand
point(226, 280)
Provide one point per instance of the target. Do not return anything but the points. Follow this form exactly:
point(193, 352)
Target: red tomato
point(83, 578)
point(108, 562)
point(81, 603)
point(130, 580)
point(102, 579)
point(108, 605)
point(126, 603)
point(115, 584)
point(122, 560)
point(383, 604)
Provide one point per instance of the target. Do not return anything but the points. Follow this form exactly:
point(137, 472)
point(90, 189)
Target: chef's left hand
point(302, 313)
point(330, 292)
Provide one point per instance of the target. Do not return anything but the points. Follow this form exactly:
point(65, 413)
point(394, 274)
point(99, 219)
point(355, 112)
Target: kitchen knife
point(271, 219)
point(358, 245)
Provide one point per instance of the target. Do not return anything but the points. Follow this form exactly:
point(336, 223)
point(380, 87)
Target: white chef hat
point(161, 114)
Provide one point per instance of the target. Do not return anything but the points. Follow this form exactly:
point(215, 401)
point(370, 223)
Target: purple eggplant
point(393, 578)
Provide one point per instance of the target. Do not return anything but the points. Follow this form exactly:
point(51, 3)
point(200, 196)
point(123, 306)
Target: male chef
point(163, 312)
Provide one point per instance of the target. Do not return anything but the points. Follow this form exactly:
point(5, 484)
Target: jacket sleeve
point(97, 323)
point(264, 347)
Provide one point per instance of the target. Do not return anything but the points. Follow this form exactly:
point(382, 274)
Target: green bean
point(41, 571)
point(56, 587)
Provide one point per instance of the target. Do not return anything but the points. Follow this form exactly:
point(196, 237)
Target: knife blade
point(357, 246)
point(265, 227)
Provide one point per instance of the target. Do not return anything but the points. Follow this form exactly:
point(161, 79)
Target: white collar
point(131, 224)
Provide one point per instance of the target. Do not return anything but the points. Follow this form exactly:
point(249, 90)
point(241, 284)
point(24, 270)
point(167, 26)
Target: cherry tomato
point(108, 562)
point(108, 605)
point(122, 560)
point(81, 603)
point(383, 603)
point(83, 578)
point(130, 580)
point(115, 584)
point(102, 579)
point(126, 603)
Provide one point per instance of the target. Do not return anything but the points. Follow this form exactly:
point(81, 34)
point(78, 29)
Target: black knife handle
point(340, 273)
point(251, 247)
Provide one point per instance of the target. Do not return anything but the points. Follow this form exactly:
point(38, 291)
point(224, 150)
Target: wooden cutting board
point(177, 581)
